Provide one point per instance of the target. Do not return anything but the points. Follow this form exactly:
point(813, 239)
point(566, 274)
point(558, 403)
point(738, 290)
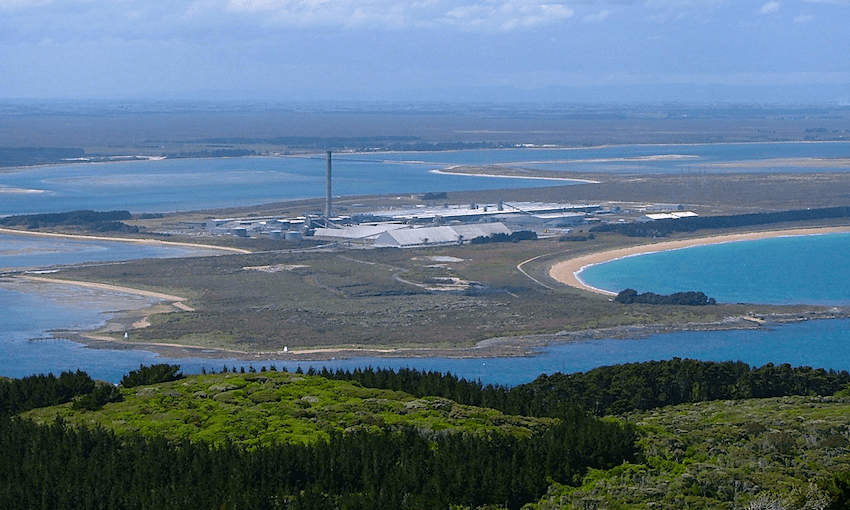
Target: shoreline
point(176, 301)
point(84, 237)
point(568, 271)
point(520, 346)
point(133, 319)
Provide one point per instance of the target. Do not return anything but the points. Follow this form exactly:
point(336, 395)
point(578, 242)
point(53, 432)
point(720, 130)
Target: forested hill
point(410, 439)
point(615, 389)
point(256, 439)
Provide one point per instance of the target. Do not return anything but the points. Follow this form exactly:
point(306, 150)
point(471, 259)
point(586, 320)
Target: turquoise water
point(803, 269)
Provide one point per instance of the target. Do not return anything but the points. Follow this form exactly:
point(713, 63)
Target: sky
point(791, 50)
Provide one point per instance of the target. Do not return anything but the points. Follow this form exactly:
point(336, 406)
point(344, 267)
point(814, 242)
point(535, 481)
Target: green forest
point(375, 438)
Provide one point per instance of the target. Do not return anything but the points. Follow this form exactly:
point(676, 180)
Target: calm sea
point(787, 270)
point(197, 184)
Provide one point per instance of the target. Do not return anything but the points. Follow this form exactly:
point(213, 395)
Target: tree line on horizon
point(665, 227)
point(98, 221)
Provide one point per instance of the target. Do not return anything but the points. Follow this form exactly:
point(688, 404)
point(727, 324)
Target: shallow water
point(25, 251)
point(196, 184)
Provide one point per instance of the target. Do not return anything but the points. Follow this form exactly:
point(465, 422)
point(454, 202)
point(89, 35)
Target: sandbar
point(456, 170)
point(567, 271)
point(82, 237)
point(176, 301)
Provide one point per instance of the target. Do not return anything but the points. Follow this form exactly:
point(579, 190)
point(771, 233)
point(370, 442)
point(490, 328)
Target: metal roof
point(356, 232)
point(439, 235)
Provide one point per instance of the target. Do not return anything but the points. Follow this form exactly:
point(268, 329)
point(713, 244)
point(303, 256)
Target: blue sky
point(425, 49)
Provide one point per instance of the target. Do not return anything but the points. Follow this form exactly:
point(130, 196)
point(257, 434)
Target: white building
point(409, 237)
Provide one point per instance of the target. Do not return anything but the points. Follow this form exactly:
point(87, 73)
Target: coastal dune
point(567, 271)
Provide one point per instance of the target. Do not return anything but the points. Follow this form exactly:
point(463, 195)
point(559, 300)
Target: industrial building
point(422, 236)
point(434, 224)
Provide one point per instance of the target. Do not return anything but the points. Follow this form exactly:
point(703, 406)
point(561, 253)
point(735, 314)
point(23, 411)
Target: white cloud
point(679, 4)
point(804, 18)
point(18, 4)
point(472, 15)
point(769, 8)
point(138, 19)
point(599, 16)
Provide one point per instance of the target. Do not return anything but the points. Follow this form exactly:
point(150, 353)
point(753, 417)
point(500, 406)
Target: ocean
point(785, 270)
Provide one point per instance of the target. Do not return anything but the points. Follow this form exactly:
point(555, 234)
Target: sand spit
point(567, 272)
point(175, 301)
point(495, 172)
point(210, 247)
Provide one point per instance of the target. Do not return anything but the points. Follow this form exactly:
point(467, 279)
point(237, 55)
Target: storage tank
point(293, 235)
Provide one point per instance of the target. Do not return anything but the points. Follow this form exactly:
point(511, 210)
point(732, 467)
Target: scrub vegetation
point(389, 298)
point(785, 452)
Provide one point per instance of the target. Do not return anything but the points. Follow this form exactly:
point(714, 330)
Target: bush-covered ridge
point(760, 454)
point(615, 389)
point(275, 439)
point(630, 387)
point(778, 453)
point(18, 395)
point(265, 408)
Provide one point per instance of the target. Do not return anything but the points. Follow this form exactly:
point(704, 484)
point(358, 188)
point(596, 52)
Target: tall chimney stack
point(328, 188)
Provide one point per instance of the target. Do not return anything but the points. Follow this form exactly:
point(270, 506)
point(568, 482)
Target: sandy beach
point(567, 272)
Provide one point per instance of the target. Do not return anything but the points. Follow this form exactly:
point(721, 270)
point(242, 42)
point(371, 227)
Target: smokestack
point(328, 188)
